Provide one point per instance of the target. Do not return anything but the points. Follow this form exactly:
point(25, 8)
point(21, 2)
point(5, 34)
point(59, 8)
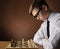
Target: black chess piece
point(13, 43)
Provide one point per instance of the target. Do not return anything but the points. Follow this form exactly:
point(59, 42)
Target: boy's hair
point(37, 4)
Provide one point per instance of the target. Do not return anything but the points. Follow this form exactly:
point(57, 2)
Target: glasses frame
point(38, 13)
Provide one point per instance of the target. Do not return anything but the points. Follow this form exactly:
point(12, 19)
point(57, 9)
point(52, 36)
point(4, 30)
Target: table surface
point(4, 44)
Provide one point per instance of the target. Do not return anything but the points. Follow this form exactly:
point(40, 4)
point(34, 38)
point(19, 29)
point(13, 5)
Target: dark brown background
point(16, 23)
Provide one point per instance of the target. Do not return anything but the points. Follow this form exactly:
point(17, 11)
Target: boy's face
point(39, 14)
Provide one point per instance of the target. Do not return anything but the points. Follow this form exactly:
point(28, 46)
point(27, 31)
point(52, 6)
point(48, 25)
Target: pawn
point(12, 43)
point(15, 43)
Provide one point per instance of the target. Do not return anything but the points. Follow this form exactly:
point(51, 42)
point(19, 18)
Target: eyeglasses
point(37, 14)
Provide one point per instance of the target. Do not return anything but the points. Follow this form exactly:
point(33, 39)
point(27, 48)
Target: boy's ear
point(44, 7)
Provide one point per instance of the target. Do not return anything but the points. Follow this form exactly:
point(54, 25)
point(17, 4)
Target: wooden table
point(4, 44)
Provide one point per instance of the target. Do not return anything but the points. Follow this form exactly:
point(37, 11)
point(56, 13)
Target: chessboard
point(29, 44)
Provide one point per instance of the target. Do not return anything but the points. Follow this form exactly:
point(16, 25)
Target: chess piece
point(15, 43)
point(23, 42)
point(32, 43)
point(12, 43)
point(29, 45)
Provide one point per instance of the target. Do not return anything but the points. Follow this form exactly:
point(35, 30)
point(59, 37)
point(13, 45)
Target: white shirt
point(41, 37)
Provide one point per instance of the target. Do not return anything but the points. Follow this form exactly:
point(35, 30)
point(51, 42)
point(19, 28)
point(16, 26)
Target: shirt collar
point(50, 16)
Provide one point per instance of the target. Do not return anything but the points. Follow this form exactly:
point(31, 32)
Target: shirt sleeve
point(38, 36)
point(47, 44)
point(41, 40)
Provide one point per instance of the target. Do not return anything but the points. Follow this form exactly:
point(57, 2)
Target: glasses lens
point(37, 14)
